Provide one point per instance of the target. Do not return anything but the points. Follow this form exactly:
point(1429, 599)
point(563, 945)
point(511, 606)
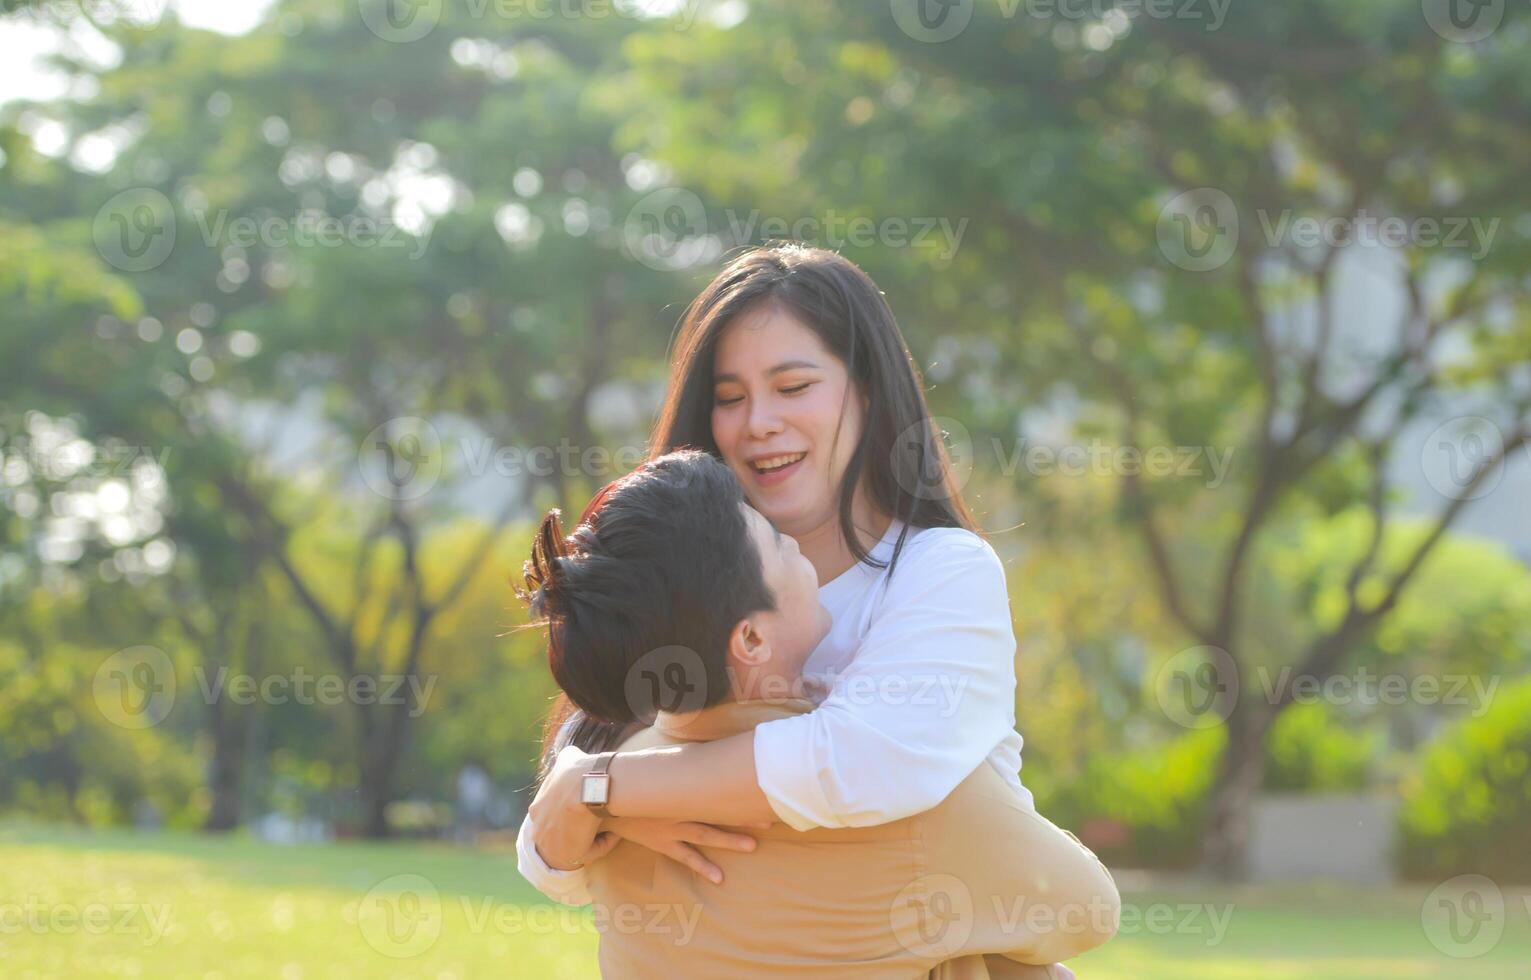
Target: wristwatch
point(595, 790)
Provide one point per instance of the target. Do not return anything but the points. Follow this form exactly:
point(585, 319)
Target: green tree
point(1079, 150)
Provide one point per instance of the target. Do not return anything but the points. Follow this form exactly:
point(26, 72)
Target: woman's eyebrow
point(778, 369)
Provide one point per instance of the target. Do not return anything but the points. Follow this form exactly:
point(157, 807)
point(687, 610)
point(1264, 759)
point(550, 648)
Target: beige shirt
point(981, 873)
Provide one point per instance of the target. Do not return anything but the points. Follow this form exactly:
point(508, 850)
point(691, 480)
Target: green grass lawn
point(124, 904)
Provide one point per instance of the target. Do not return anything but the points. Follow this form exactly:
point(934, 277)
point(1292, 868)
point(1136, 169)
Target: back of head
point(640, 599)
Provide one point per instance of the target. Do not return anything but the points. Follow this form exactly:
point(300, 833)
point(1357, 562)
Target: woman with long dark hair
point(790, 368)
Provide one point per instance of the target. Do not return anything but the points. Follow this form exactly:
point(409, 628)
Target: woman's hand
point(564, 829)
point(679, 839)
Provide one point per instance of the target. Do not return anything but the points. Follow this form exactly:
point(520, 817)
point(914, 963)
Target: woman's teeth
point(776, 462)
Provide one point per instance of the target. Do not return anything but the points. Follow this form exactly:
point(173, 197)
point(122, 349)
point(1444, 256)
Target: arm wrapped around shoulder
point(1036, 894)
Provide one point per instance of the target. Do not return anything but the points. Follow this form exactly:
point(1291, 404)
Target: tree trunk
point(375, 796)
point(1240, 773)
point(226, 770)
point(381, 749)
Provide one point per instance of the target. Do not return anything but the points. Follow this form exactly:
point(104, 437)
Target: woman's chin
point(781, 511)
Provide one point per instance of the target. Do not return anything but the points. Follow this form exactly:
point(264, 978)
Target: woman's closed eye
point(790, 390)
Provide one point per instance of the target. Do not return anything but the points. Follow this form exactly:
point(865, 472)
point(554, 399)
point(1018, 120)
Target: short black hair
point(664, 563)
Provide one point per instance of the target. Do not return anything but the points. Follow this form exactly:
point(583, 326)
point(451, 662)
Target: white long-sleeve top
point(919, 667)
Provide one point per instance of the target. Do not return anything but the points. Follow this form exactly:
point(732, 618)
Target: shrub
point(1467, 806)
point(1309, 750)
point(1148, 808)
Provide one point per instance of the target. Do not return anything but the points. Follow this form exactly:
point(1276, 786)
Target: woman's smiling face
point(784, 416)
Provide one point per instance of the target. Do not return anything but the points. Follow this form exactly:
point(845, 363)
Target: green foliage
point(1467, 806)
point(515, 304)
point(1158, 793)
point(1310, 751)
point(61, 759)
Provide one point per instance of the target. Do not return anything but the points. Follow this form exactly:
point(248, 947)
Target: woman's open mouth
point(774, 469)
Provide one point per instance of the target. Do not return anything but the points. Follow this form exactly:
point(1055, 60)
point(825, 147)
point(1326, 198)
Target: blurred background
point(308, 308)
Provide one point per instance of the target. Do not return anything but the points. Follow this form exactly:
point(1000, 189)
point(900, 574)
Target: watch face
point(594, 790)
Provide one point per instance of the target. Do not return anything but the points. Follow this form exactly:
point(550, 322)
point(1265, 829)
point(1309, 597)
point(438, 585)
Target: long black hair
point(900, 454)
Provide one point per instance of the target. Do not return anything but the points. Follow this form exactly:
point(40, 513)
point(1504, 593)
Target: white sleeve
point(564, 887)
point(928, 696)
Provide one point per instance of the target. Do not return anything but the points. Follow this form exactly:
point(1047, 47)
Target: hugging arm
point(705, 782)
point(929, 695)
point(693, 785)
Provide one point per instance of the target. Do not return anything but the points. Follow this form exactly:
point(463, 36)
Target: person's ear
point(747, 645)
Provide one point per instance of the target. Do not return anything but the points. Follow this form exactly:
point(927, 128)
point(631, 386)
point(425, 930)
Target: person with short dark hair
point(674, 604)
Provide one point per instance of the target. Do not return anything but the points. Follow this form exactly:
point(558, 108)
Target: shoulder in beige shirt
point(981, 873)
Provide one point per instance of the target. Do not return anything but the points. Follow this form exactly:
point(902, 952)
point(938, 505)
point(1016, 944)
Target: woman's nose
point(763, 421)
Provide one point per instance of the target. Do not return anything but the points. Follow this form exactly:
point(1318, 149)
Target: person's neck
point(825, 547)
point(729, 717)
point(762, 684)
